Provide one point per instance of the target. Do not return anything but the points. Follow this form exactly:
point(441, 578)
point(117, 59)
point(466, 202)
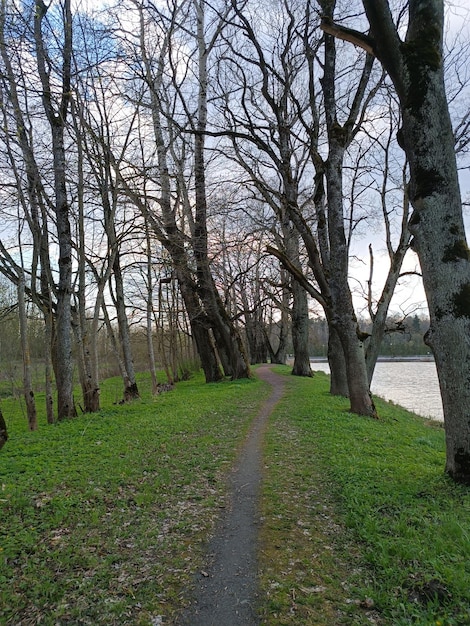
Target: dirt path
point(226, 594)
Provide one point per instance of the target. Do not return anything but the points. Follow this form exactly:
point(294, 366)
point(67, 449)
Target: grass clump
point(361, 524)
point(104, 516)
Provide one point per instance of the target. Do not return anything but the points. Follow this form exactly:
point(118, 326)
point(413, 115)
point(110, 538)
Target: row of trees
point(194, 137)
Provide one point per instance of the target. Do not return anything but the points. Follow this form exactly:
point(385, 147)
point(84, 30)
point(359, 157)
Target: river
point(411, 384)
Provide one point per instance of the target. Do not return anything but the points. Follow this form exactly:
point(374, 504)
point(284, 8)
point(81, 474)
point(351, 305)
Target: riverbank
point(412, 384)
point(106, 518)
point(423, 358)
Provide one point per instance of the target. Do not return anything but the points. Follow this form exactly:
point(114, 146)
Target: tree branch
point(297, 274)
point(348, 34)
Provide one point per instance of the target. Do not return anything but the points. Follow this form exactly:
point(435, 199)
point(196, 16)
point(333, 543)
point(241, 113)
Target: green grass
point(367, 524)
point(103, 518)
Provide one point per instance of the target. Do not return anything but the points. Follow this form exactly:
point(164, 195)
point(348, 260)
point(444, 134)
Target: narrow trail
point(227, 594)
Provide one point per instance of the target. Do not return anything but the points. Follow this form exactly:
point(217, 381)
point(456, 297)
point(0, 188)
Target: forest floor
point(226, 591)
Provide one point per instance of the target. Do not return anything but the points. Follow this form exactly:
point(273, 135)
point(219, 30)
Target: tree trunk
point(199, 329)
point(90, 387)
point(228, 340)
point(114, 344)
point(3, 431)
point(63, 358)
point(344, 317)
point(229, 344)
point(48, 367)
point(83, 330)
point(27, 378)
point(416, 68)
point(57, 120)
point(149, 312)
point(343, 314)
point(280, 355)
point(251, 334)
point(167, 230)
point(300, 320)
point(131, 391)
point(299, 312)
point(337, 363)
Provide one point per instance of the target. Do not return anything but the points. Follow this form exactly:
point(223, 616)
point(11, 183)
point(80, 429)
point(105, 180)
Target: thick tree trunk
point(300, 320)
point(228, 340)
point(168, 231)
point(83, 330)
point(229, 344)
point(343, 314)
point(90, 387)
point(63, 327)
point(440, 241)
point(199, 328)
point(345, 324)
point(280, 355)
point(337, 363)
point(256, 343)
point(416, 68)
point(299, 312)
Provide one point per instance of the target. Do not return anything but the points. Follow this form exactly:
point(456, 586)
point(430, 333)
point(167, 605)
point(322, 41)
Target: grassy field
point(103, 518)
point(362, 526)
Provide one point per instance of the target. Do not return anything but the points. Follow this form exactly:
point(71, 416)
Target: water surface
point(411, 384)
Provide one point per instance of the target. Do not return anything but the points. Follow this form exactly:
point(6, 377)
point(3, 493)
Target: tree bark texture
point(343, 315)
point(200, 327)
point(300, 320)
point(416, 69)
point(299, 311)
point(336, 361)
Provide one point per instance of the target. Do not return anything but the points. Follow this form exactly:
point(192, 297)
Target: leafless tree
point(415, 65)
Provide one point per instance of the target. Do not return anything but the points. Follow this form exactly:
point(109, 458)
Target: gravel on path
point(226, 593)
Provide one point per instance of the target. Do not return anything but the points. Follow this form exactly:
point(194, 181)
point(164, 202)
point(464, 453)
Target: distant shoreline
point(384, 359)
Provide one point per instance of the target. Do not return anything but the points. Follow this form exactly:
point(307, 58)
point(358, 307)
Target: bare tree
point(275, 160)
point(415, 66)
point(178, 131)
point(18, 138)
point(56, 111)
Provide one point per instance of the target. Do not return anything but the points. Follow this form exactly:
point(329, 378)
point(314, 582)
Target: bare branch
point(348, 34)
